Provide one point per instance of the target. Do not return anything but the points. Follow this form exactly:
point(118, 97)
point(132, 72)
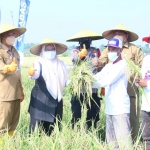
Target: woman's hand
point(32, 70)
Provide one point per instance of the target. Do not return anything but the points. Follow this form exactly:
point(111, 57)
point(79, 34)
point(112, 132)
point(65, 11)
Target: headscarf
point(54, 73)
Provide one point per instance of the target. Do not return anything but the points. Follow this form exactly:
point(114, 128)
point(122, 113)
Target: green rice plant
point(134, 70)
point(81, 80)
point(67, 138)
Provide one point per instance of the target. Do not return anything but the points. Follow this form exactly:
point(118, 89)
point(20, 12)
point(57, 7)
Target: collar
point(117, 61)
point(4, 47)
point(126, 44)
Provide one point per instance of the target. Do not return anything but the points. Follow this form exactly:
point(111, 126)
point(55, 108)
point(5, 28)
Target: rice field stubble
point(66, 139)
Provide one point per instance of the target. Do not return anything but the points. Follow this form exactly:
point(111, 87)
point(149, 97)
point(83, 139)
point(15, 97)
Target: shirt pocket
point(8, 60)
point(128, 55)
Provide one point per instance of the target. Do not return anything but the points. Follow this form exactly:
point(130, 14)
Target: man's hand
point(102, 93)
point(83, 52)
point(22, 98)
point(6, 68)
point(12, 67)
point(141, 82)
point(32, 70)
point(137, 79)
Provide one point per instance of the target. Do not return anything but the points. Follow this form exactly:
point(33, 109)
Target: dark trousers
point(46, 126)
point(146, 129)
point(92, 112)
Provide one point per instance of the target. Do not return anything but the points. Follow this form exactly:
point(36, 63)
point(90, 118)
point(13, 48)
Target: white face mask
point(112, 56)
point(49, 54)
point(10, 40)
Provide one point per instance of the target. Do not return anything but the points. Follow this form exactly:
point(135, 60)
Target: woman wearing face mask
point(50, 75)
point(11, 91)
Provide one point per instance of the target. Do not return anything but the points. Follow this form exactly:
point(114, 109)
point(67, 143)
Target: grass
point(66, 139)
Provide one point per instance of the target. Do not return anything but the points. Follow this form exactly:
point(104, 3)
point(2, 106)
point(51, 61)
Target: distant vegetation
point(27, 46)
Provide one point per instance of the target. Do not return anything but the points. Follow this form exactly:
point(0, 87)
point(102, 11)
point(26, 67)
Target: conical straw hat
point(85, 34)
point(7, 27)
point(108, 34)
point(60, 48)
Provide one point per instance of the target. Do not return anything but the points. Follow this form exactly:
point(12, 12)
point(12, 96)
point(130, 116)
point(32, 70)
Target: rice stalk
point(81, 80)
point(134, 70)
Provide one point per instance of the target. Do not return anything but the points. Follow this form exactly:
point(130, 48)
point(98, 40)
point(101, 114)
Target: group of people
point(51, 76)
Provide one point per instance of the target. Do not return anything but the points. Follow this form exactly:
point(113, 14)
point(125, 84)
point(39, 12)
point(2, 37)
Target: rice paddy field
point(66, 139)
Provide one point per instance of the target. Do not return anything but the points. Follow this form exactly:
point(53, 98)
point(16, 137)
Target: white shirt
point(145, 70)
point(113, 77)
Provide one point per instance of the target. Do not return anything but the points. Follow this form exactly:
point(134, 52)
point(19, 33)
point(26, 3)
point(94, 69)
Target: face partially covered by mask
point(9, 38)
point(114, 49)
point(49, 52)
point(112, 56)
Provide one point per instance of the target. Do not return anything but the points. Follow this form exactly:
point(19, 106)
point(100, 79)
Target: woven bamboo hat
point(108, 34)
point(85, 34)
point(7, 27)
point(60, 48)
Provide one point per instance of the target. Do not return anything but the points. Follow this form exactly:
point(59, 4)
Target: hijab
point(54, 73)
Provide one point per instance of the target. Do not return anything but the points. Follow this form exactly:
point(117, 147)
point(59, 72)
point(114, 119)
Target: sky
point(61, 19)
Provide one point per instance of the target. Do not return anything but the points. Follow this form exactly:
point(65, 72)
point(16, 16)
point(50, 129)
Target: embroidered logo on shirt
point(147, 75)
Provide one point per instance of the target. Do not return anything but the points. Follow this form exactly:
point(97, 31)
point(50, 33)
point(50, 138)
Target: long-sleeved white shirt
point(145, 70)
point(113, 77)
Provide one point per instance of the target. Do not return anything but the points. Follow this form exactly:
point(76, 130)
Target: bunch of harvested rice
point(81, 80)
point(133, 69)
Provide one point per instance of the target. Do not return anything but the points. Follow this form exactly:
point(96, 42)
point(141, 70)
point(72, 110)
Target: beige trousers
point(118, 131)
point(9, 115)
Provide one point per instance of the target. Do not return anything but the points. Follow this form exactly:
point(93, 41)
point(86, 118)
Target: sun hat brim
point(4, 28)
point(85, 34)
point(60, 48)
point(108, 34)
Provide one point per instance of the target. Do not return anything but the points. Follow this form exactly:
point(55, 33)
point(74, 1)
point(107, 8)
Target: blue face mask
point(112, 56)
point(49, 54)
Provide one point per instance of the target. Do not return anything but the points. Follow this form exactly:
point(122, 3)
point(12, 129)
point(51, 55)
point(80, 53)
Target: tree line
point(27, 46)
